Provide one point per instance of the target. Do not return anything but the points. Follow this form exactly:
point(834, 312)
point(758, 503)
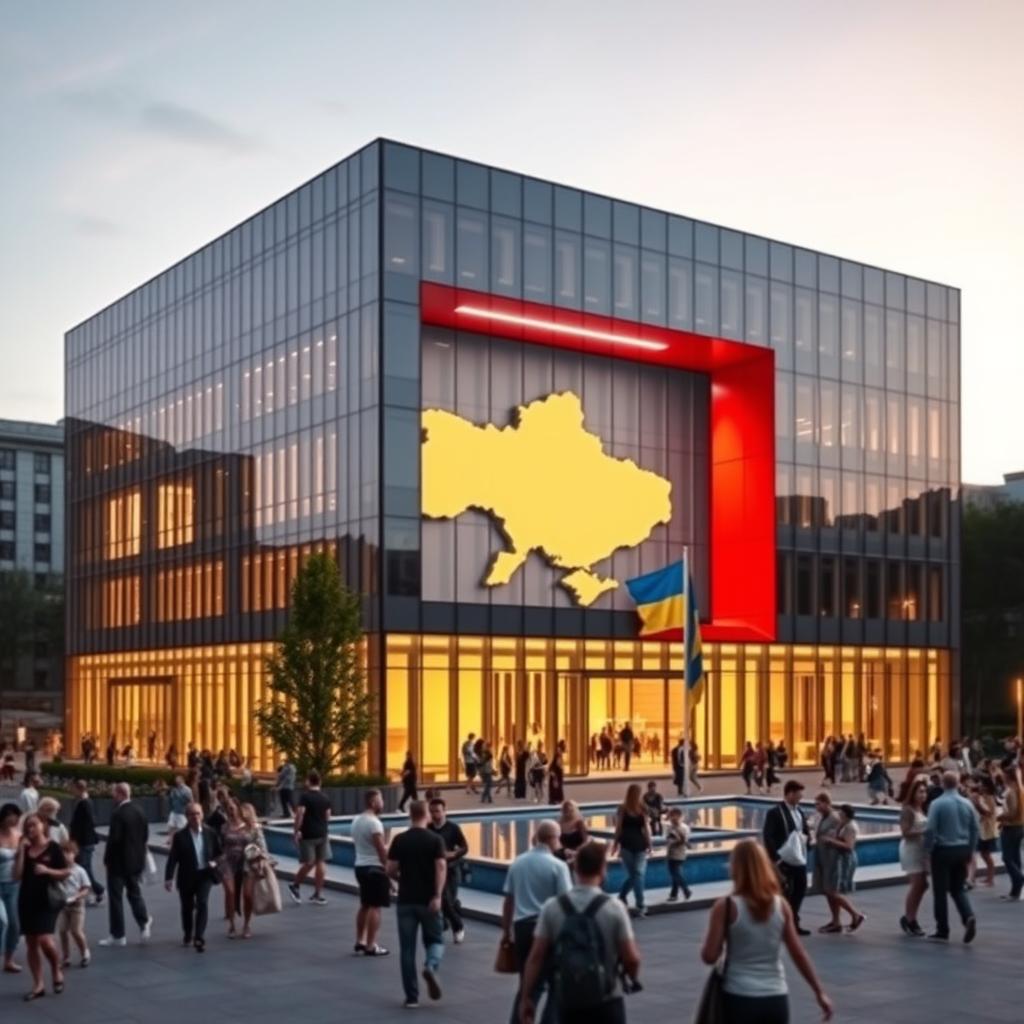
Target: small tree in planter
point(320, 713)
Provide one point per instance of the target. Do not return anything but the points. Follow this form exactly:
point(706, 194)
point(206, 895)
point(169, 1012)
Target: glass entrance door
point(138, 709)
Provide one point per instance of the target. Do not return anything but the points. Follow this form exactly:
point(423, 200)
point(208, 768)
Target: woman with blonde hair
point(573, 830)
point(753, 924)
point(48, 810)
point(633, 844)
point(256, 857)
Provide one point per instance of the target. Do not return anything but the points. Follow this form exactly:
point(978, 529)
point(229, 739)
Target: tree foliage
point(29, 614)
point(320, 713)
point(993, 611)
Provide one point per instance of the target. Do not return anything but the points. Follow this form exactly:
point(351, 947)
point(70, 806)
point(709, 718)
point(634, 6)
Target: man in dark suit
point(125, 860)
point(779, 822)
point(677, 757)
point(83, 832)
point(194, 854)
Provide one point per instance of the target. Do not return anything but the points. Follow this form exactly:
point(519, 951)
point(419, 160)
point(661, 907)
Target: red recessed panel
point(742, 501)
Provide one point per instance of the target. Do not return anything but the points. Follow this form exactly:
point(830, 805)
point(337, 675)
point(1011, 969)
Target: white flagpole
point(686, 668)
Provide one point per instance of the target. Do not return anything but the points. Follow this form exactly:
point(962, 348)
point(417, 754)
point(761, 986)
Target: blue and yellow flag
point(664, 615)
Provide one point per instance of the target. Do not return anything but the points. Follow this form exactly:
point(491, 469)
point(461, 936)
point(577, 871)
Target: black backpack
point(581, 978)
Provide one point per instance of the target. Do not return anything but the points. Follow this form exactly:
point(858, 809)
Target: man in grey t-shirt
point(616, 931)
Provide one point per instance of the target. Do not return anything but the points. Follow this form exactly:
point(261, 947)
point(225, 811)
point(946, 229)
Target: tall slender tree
point(320, 712)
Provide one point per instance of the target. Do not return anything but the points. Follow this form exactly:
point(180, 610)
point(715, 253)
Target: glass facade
point(262, 399)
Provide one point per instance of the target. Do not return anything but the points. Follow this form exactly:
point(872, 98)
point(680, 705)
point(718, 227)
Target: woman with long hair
point(256, 857)
point(835, 861)
point(410, 781)
point(504, 770)
point(754, 923)
point(633, 844)
point(10, 840)
point(912, 856)
point(522, 761)
point(40, 861)
point(556, 777)
point(573, 830)
point(235, 836)
point(983, 796)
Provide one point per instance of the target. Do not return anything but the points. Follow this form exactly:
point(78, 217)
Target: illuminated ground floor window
point(434, 690)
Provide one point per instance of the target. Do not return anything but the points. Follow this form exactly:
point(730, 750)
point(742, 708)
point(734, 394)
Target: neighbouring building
point(32, 543)
point(494, 399)
point(989, 496)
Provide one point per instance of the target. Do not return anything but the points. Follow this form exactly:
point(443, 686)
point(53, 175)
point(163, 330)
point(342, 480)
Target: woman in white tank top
point(751, 926)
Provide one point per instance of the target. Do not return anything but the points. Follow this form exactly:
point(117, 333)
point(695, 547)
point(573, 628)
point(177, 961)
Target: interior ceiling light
point(556, 328)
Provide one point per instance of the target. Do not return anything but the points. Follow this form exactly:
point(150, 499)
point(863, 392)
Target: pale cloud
point(184, 124)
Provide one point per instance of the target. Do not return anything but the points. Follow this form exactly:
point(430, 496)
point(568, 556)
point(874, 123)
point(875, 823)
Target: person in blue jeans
point(633, 844)
point(10, 836)
point(416, 859)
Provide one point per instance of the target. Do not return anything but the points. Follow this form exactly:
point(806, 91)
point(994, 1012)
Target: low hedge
point(146, 775)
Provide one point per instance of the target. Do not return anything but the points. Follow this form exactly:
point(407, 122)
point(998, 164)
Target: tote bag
point(266, 895)
point(793, 851)
point(711, 1008)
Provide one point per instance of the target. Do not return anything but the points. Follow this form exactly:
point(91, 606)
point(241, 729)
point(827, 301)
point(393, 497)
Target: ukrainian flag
point(662, 606)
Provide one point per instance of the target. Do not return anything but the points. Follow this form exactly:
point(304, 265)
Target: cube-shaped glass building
point(496, 399)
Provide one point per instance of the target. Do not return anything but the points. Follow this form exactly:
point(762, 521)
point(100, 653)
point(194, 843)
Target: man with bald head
point(950, 839)
point(125, 860)
point(194, 853)
point(533, 878)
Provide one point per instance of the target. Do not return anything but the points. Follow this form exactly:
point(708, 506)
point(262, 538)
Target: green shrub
point(134, 775)
point(352, 779)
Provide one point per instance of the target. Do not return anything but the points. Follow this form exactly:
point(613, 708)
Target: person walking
point(912, 857)
point(10, 841)
point(416, 860)
point(627, 738)
point(753, 924)
point(556, 777)
point(83, 831)
point(486, 769)
point(179, 796)
point(695, 767)
point(469, 762)
point(983, 796)
point(312, 823)
point(40, 861)
point(1011, 827)
point(193, 857)
point(455, 848)
point(747, 765)
point(532, 879)
point(950, 839)
point(235, 835)
point(587, 980)
point(409, 780)
point(504, 771)
point(28, 798)
point(633, 843)
point(834, 862)
point(789, 854)
point(677, 846)
point(677, 755)
point(522, 761)
point(125, 859)
point(537, 770)
point(879, 783)
point(371, 860)
point(71, 918)
point(285, 786)
point(572, 831)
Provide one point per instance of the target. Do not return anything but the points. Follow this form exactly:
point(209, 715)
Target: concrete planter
point(155, 808)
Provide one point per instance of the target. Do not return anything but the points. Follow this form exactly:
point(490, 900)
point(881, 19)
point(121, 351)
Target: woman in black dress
point(40, 862)
point(522, 758)
point(556, 778)
point(410, 780)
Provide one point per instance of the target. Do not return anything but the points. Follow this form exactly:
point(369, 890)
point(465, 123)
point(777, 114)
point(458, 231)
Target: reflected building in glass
point(278, 391)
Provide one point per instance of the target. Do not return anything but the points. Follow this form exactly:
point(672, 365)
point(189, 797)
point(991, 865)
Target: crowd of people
point(571, 940)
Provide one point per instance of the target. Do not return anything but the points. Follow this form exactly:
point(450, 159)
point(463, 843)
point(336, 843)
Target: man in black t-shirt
point(456, 848)
point(417, 859)
point(311, 820)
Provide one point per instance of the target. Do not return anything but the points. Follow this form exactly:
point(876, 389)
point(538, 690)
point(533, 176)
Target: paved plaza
point(298, 968)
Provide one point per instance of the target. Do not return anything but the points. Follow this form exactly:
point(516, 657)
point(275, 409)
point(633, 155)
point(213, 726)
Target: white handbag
point(794, 850)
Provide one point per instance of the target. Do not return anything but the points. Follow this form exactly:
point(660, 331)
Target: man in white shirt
point(371, 858)
point(193, 857)
point(28, 799)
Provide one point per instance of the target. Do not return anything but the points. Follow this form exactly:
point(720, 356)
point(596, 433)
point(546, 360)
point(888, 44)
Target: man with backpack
point(587, 937)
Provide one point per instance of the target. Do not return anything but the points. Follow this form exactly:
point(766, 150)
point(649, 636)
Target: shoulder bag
point(711, 1008)
point(793, 851)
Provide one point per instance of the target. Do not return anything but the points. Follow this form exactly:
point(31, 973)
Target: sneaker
point(641, 912)
point(905, 925)
point(293, 891)
point(359, 949)
point(111, 941)
point(939, 937)
point(147, 930)
point(687, 894)
point(916, 930)
point(672, 898)
point(318, 901)
point(376, 950)
point(970, 930)
point(86, 960)
point(460, 936)
point(411, 1004)
point(433, 985)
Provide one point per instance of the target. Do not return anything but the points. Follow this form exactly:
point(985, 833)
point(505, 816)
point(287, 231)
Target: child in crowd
point(677, 844)
point(654, 804)
point(71, 922)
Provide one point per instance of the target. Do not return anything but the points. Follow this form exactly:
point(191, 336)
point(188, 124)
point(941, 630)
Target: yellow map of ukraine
point(549, 485)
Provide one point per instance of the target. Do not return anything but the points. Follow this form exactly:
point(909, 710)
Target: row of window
point(40, 461)
point(9, 521)
point(40, 552)
point(828, 587)
point(9, 492)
